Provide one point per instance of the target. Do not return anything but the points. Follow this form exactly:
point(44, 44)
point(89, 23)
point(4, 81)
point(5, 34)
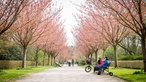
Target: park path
point(67, 74)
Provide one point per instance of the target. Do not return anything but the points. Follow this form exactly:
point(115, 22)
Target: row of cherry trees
point(132, 15)
point(34, 23)
point(107, 22)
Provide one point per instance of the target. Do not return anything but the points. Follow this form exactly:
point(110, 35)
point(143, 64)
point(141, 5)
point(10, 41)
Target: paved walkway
point(67, 74)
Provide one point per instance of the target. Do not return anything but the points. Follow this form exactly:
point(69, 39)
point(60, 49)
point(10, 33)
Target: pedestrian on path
point(72, 62)
point(69, 63)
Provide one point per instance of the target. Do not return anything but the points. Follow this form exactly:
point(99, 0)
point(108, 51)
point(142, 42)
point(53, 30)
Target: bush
point(138, 72)
point(82, 62)
point(11, 53)
point(134, 57)
point(109, 53)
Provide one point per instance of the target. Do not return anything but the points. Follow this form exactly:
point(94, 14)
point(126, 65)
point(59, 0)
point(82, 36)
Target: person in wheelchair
point(103, 65)
point(99, 62)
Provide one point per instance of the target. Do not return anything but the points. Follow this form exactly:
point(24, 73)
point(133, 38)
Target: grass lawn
point(131, 75)
point(8, 75)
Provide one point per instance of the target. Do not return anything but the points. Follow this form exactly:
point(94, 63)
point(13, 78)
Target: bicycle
point(89, 67)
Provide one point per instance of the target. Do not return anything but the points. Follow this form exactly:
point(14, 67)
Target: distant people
point(69, 63)
point(99, 62)
point(72, 62)
point(103, 65)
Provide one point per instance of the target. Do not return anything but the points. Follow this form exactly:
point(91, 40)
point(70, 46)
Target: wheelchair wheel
point(110, 73)
point(88, 68)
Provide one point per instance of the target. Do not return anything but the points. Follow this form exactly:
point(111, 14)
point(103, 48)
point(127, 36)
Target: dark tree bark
point(49, 58)
point(44, 57)
point(115, 56)
point(36, 57)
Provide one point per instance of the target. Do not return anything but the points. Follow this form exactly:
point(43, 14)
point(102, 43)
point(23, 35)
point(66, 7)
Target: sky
point(67, 15)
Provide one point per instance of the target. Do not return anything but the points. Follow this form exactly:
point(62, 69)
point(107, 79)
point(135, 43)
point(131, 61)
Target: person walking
point(72, 62)
point(69, 63)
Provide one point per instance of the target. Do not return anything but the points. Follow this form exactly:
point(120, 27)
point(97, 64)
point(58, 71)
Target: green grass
point(131, 75)
point(9, 75)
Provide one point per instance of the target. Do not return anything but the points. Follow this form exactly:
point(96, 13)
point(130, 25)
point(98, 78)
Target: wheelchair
point(104, 70)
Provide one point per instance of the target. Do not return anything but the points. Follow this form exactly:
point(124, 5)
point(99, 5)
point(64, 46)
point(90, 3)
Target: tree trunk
point(96, 55)
point(48, 58)
point(54, 59)
point(44, 58)
point(91, 58)
point(36, 58)
point(115, 56)
point(51, 60)
point(24, 57)
point(143, 44)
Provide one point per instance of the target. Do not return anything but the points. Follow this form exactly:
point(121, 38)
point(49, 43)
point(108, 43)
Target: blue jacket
point(104, 65)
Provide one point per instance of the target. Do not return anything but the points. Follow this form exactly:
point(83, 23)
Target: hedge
point(5, 64)
point(130, 64)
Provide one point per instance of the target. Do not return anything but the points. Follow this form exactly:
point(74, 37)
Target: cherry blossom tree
point(131, 14)
point(104, 25)
point(29, 27)
point(9, 11)
point(41, 42)
point(87, 40)
point(52, 40)
point(110, 30)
